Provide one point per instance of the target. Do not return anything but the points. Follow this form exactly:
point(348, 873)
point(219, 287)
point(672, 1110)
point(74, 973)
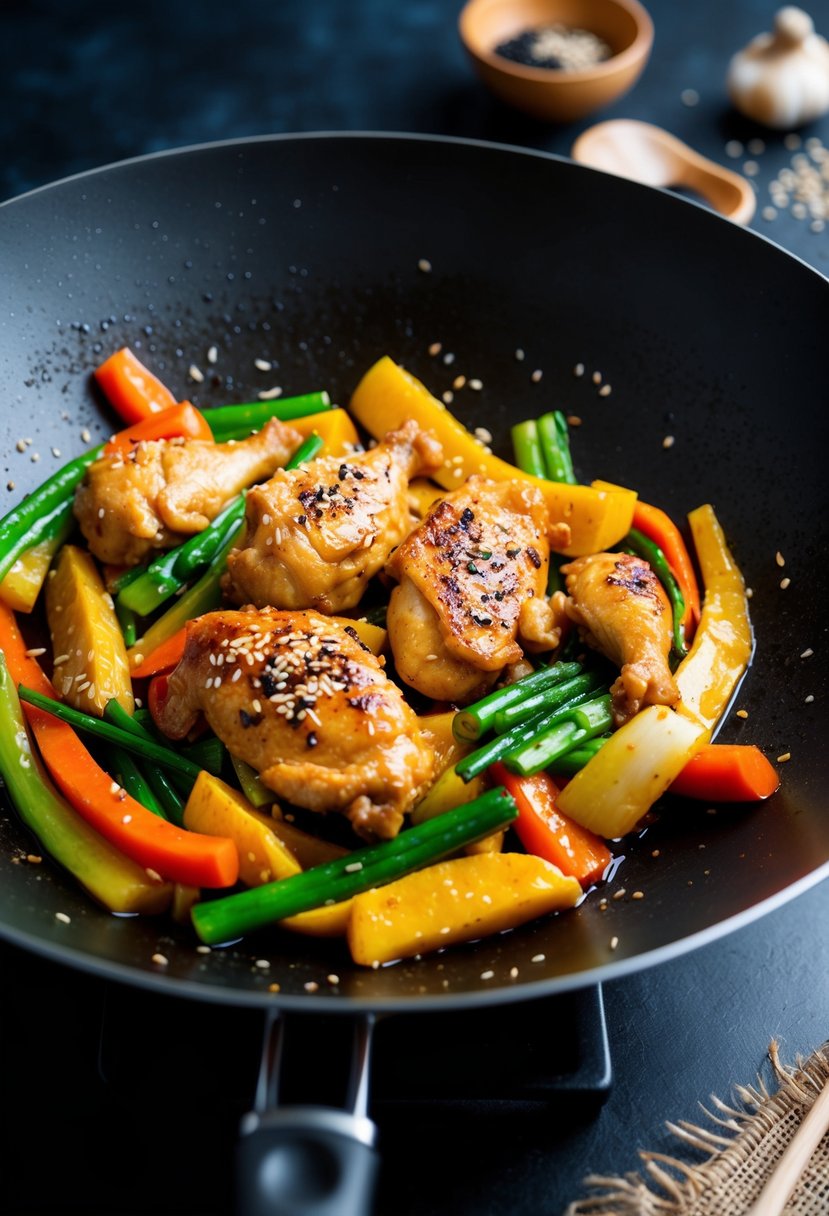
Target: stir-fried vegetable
point(653, 555)
point(238, 421)
point(130, 388)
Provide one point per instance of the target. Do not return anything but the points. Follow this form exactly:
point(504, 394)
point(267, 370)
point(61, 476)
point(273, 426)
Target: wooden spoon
point(648, 154)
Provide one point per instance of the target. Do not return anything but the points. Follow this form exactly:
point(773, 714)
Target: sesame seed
point(742, 713)
point(353, 867)
point(333, 979)
point(807, 653)
point(536, 376)
point(21, 445)
point(513, 973)
point(638, 895)
point(269, 394)
point(756, 147)
point(448, 397)
point(263, 964)
point(476, 385)
point(203, 950)
point(33, 859)
point(63, 918)
point(487, 975)
point(10, 485)
point(482, 434)
point(519, 354)
point(809, 699)
point(668, 441)
point(425, 265)
point(597, 377)
point(262, 365)
point(449, 359)
point(573, 420)
point(35, 457)
point(126, 819)
point(435, 348)
point(751, 168)
point(274, 987)
point(459, 382)
point(195, 373)
point(782, 759)
point(655, 852)
point(614, 942)
point(153, 875)
point(85, 435)
point(160, 960)
point(212, 354)
point(620, 894)
point(538, 958)
point(56, 452)
point(114, 787)
point(779, 558)
point(734, 149)
point(35, 651)
point(605, 390)
point(311, 986)
point(769, 213)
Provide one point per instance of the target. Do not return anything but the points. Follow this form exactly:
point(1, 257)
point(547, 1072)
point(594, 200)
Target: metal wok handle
point(307, 1160)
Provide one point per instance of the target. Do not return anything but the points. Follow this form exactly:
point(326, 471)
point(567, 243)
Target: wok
point(308, 251)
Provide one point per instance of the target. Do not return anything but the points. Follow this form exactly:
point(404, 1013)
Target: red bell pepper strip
point(132, 391)
point(180, 856)
point(546, 832)
point(179, 420)
point(661, 529)
point(727, 772)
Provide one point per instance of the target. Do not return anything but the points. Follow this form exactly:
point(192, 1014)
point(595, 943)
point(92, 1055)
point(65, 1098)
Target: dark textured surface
point(82, 86)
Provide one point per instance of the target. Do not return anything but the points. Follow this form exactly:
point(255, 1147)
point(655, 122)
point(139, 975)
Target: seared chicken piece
point(621, 609)
point(299, 697)
point(164, 490)
point(472, 578)
point(317, 534)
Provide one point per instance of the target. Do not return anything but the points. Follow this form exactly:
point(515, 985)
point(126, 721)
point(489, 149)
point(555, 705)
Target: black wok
point(306, 250)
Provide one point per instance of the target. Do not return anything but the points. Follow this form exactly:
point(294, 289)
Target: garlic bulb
point(782, 79)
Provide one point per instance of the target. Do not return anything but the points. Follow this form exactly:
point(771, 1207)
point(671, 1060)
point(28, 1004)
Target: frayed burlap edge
point(746, 1125)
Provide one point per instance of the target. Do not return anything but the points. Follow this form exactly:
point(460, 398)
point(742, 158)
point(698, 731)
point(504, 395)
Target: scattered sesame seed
point(596, 377)
point(333, 979)
point(573, 420)
point(212, 354)
point(425, 265)
point(476, 385)
point(459, 382)
point(742, 713)
point(807, 653)
point(668, 441)
point(638, 895)
point(353, 867)
point(620, 894)
point(35, 457)
point(769, 213)
point(809, 699)
point(33, 859)
point(614, 942)
point(513, 973)
point(435, 348)
point(756, 146)
point(782, 759)
point(160, 960)
point(56, 452)
point(689, 97)
point(126, 819)
point(9, 485)
point(487, 975)
point(655, 852)
point(153, 875)
point(263, 964)
point(536, 376)
point(114, 787)
point(85, 435)
point(605, 390)
point(448, 358)
point(734, 149)
point(269, 394)
point(63, 918)
point(784, 583)
point(538, 958)
point(751, 168)
point(274, 987)
point(195, 373)
point(779, 558)
point(34, 652)
point(203, 950)
point(482, 434)
point(21, 445)
point(311, 986)
point(578, 370)
point(262, 365)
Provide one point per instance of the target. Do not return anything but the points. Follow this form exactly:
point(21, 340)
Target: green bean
point(161, 785)
point(555, 445)
point(643, 547)
point(545, 699)
point(130, 776)
point(591, 718)
point(527, 447)
point(57, 520)
point(237, 421)
point(468, 725)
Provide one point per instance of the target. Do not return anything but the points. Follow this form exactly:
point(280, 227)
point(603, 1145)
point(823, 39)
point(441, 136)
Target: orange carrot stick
point(173, 853)
point(727, 772)
point(661, 529)
point(164, 658)
point(132, 391)
point(179, 420)
point(545, 831)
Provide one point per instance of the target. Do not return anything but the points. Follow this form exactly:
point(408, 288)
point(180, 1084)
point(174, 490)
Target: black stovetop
point(116, 1101)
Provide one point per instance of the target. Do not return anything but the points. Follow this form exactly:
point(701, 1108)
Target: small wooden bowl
point(555, 94)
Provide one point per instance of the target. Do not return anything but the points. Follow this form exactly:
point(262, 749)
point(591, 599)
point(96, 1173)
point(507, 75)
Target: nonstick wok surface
point(310, 251)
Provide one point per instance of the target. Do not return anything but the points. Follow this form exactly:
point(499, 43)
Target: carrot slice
point(662, 530)
point(178, 420)
point(174, 854)
point(130, 388)
point(164, 658)
point(547, 832)
point(727, 772)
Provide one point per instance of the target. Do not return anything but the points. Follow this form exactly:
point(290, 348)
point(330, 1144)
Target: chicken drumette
point(621, 609)
point(317, 534)
point(130, 506)
point(472, 579)
point(298, 696)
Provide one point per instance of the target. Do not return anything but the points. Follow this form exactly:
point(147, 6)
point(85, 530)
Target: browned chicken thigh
point(622, 610)
point(164, 490)
point(472, 579)
point(297, 696)
point(317, 534)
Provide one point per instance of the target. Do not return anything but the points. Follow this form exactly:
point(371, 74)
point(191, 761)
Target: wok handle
point(307, 1160)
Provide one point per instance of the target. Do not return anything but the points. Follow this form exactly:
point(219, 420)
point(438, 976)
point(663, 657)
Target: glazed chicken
point(471, 581)
point(298, 696)
point(164, 490)
point(622, 610)
point(317, 534)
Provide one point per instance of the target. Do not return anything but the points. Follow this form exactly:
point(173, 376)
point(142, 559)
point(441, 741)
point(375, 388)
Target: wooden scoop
point(654, 157)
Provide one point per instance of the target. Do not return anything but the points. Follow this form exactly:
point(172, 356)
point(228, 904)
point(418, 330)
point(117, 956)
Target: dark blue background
point(83, 84)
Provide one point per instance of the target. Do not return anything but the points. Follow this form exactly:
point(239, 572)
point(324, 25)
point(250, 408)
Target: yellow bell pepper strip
point(309, 850)
point(216, 809)
point(118, 883)
point(449, 791)
point(387, 395)
point(91, 665)
point(131, 388)
point(330, 921)
point(437, 730)
point(632, 769)
point(22, 585)
point(710, 674)
point(455, 901)
point(334, 427)
point(220, 920)
point(202, 861)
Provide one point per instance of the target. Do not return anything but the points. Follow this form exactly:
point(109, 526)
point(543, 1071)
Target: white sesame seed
point(809, 699)
point(578, 370)
point(536, 376)
point(425, 265)
point(35, 651)
point(195, 373)
point(63, 918)
point(311, 986)
point(435, 349)
point(734, 149)
point(807, 653)
point(668, 441)
point(269, 394)
point(153, 875)
point(262, 365)
point(353, 867)
point(160, 960)
point(614, 942)
point(212, 354)
point(779, 558)
point(782, 759)
point(127, 819)
point(605, 390)
point(538, 958)
point(519, 354)
point(263, 964)
point(333, 979)
point(203, 950)
point(487, 975)
point(476, 385)
point(784, 583)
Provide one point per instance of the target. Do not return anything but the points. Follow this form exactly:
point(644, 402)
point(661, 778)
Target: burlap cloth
point(735, 1155)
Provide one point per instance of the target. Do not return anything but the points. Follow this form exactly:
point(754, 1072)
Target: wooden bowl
point(555, 94)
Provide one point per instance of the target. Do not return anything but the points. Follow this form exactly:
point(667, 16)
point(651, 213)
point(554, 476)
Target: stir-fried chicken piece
point(299, 697)
point(622, 610)
point(472, 578)
point(164, 490)
point(317, 534)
